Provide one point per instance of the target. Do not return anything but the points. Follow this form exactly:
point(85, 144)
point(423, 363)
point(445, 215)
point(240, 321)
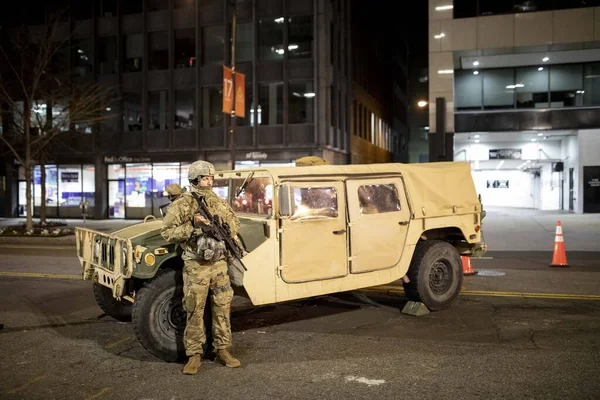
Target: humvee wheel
point(435, 274)
point(159, 318)
point(119, 310)
point(158, 315)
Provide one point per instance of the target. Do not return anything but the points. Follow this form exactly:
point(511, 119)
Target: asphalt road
point(56, 344)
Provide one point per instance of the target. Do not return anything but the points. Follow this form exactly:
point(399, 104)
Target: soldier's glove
point(200, 221)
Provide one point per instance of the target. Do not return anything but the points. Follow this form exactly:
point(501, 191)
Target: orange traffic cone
point(467, 268)
point(559, 258)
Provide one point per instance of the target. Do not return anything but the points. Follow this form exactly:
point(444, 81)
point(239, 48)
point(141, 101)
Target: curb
point(37, 241)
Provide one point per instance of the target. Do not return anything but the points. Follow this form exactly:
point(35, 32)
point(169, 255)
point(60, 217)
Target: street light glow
point(422, 103)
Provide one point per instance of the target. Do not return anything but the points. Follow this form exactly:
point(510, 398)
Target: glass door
point(116, 199)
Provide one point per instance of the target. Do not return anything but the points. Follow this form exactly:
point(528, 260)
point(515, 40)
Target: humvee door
point(379, 217)
point(313, 239)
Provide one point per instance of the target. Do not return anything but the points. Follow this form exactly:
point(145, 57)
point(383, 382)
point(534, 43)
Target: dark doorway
point(591, 189)
point(571, 170)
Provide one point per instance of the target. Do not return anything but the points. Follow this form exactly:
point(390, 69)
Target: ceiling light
point(477, 136)
point(519, 85)
point(475, 63)
point(510, 87)
point(533, 140)
point(540, 68)
point(441, 35)
point(545, 59)
point(477, 141)
point(445, 71)
point(475, 72)
point(422, 103)
point(580, 91)
point(443, 8)
point(540, 134)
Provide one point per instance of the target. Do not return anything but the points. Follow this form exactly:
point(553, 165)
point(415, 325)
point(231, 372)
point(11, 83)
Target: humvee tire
point(159, 318)
point(119, 310)
point(435, 275)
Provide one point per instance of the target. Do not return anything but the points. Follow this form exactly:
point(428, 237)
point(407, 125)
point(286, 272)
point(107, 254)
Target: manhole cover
point(490, 272)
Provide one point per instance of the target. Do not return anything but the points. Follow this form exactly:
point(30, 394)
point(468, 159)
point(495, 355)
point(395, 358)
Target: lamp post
point(232, 124)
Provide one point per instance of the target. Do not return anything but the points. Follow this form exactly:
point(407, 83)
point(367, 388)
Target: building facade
point(166, 58)
point(519, 86)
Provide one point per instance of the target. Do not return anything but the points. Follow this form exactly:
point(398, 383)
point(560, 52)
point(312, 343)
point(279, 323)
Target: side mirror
point(285, 201)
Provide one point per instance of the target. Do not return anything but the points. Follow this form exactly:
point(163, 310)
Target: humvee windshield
point(255, 198)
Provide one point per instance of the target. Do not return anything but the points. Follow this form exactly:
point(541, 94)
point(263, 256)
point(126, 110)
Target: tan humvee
point(309, 231)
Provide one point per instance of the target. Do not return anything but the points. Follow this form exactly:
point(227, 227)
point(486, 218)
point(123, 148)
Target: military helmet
point(174, 189)
point(198, 169)
point(310, 161)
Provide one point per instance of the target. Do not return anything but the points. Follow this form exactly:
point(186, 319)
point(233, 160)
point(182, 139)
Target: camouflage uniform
point(205, 267)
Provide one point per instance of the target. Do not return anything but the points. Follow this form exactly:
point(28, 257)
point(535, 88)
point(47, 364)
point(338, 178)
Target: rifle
point(219, 230)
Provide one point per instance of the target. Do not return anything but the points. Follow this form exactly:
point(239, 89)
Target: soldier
point(309, 161)
point(173, 191)
point(205, 266)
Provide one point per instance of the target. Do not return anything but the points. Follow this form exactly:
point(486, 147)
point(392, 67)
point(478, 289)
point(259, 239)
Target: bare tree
point(43, 102)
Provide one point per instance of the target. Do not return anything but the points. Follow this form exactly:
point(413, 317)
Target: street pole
point(232, 124)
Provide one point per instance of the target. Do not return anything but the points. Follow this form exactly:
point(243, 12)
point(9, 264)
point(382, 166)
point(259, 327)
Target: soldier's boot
point(192, 365)
point(225, 357)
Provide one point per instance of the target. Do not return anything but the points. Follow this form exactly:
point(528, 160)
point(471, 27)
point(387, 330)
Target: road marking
point(39, 275)
point(18, 389)
point(100, 393)
point(397, 289)
point(118, 342)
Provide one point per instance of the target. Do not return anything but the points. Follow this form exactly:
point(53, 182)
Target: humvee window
point(256, 198)
point(314, 203)
point(221, 188)
point(376, 199)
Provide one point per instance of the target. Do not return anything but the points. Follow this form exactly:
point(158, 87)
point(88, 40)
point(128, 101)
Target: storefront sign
point(256, 156)
point(594, 182)
point(497, 184)
point(69, 176)
point(125, 159)
point(505, 154)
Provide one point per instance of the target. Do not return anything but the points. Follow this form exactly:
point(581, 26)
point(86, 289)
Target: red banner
point(240, 95)
point(227, 90)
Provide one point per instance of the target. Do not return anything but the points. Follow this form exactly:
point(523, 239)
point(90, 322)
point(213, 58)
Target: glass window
point(492, 7)
point(116, 171)
point(315, 203)
point(591, 84)
point(82, 52)
point(213, 105)
point(51, 186)
point(69, 193)
point(133, 48)
point(89, 184)
point(185, 108)
point(107, 55)
point(256, 198)
point(156, 5)
point(23, 198)
point(468, 90)
point(270, 104)
point(158, 49)
point(300, 37)
point(163, 175)
point(107, 8)
point(270, 39)
point(531, 86)
point(465, 8)
point(185, 48)
point(244, 37)
point(183, 3)
point(81, 9)
point(566, 85)
point(157, 109)
point(185, 168)
point(116, 199)
point(214, 42)
point(333, 107)
point(249, 111)
point(376, 199)
point(132, 112)
point(301, 103)
point(498, 88)
point(138, 185)
point(132, 6)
